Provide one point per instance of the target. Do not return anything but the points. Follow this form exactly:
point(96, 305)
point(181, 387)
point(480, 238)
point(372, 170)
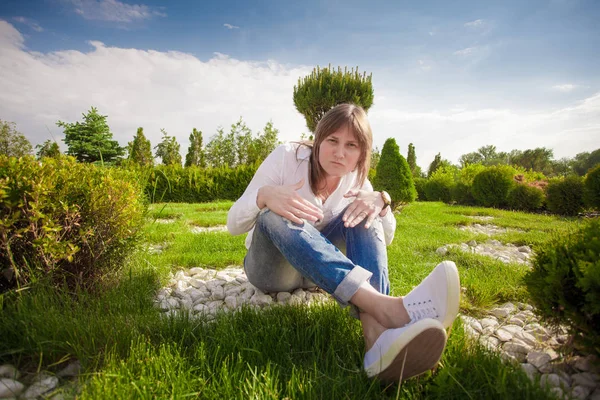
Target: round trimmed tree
point(394, 176)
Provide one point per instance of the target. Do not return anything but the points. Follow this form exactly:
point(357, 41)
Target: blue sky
point(448, 76)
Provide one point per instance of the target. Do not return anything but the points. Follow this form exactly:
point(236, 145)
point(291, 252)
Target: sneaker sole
point(453, 293)
point(416, 351)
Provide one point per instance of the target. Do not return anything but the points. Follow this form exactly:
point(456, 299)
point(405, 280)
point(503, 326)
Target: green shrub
point(564, 284)
point(525, 197)
point(565, 196)
point(491, 186)
point(440, 183)
point(65, 220)
point(420, 188)
point(592, 188)
point(394, 176)
point(462, 193)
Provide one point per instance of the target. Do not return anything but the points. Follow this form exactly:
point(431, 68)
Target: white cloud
point(113, 10)
point(178, 92)
point(567, 87)
point(478, 23)
point(229, 26)
point(424, 65)
point(465, 52)
point(30, 23)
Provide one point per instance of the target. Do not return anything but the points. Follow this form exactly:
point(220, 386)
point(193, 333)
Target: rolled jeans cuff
point(350, 284)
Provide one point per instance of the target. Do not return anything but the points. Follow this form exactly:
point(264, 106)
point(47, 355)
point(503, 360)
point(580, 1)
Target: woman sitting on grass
point(305, 203)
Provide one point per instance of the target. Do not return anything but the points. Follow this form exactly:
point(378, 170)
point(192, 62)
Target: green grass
point(129, 350)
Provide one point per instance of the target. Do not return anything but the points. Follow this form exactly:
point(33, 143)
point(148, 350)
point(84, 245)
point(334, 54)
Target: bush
point(565, 196)
point(565, 284)
point(592, 188)
point(420, 188)
point(65, 220)
point(462, 193)
point(439, 185)
point(491, 186)
point(525, 197)
point(393, 175)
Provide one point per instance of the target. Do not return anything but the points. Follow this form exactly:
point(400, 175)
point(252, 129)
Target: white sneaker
point(402, 353)
point(437, 296)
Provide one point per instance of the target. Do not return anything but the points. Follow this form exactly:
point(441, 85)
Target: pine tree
point(91, 140)
point(411, 158)
point(195, 154)
point(140, 150)
point(168, 150)
point(325, 88)
point(435, 164)
point(48, 149)
point(393, 175)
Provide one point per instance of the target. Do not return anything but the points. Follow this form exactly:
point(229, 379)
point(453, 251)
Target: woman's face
point(339, 152)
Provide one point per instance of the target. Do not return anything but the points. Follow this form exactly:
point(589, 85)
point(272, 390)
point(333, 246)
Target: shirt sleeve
point(388, 221)
point(242, 215)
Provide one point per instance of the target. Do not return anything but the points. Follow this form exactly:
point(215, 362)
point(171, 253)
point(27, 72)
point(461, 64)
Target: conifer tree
point(393, 175)
point(325, 88)
point(195, 154)
point(168, 150)
point(435, 164)
point(140, 150)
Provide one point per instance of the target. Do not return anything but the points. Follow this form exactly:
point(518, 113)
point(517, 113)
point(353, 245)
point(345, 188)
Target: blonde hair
point(355, 118)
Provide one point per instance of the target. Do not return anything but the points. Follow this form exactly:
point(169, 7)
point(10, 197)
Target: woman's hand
point(284, 201)
point(366, 205)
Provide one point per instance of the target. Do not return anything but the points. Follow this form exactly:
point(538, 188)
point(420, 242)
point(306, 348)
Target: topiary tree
point(195, 154)
point(564, 284)
point(168, 150)
point(12, 142)
point(140, 150)
point(48, 149)
point(565, 196)
point(525, 197)
point(491, 186)
point(393, 175)
point(592, 188)
point(91, 140)
point(325, 88)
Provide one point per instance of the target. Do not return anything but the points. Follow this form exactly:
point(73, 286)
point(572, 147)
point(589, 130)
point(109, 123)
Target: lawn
point(129, 350)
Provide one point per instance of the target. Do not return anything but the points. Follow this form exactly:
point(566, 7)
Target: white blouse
point(282, 167)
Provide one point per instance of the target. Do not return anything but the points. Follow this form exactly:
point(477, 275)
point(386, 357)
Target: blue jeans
point(284, 256)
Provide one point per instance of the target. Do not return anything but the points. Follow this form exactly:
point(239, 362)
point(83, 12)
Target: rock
point(515, 348)
point(500, 312)
point(182, 285)
point(537, 358)
point(283, 297)
point(212, 284)
point(201, 308)
point(526, 337)
point(583, 364)
point(300, 293)
point(71, 370)
point(503, 335)
point(9, 371)
point(234, 291)
point(516, 321)
point(553, 380)
point(512, 329)
point(217, 293)
point(553, 354)
point(558, 392)
point(247, 293)
point(472, 322)
point(231, 302)
point(586, 379)
point(489, 342)
point(241, 278)
point(485, 322)
point(10, 388)
point(42, 384)
point(530, 370)
point(260, 299)
point(581, 392)
point(442, 251)
point(524, 249)
point(518, 357)
point(469, 331)
point(295, 299)
point(472, 243)
point(595, 395)
point(198, 284)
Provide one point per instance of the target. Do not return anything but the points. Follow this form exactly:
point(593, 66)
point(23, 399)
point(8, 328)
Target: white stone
point(241, 278)
point(526, 337)
point(485, 322)
point(489, 342)
point(260, 299)
point(503, 335)
point(201, 308)
point(231, 302)
point(283, 297)
point(524, 249)
point(586, 379)
point(9, 371)
point(553, 380)
point(43, 384)
point(516, 321)
point(10, 388)
point(247, 293)
point(234, 291)
point(214, 283)
point(476, 325)
point(583, 364)
point(537, 358)
point(470, 331)
point(180, 294)
point(186, 304)
point(500, 312)
point(71, 370)
point(530, 370)
point(295, 299)
point(442, 251)
point(553, 354)
point(515, 348)
point(581, 392)
point(558, 392)
point(198, 284)
point(217, 293)
point(300, 293)
point(512, 329)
